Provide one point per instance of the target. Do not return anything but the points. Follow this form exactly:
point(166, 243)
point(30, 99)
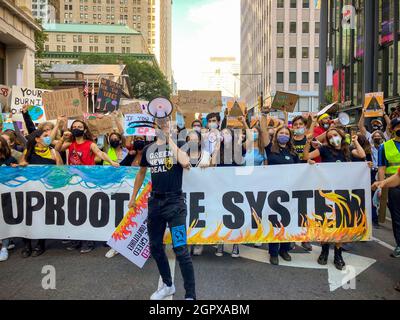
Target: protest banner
point(5, 94)
point(372, 111)
point(21, 96)
point(284, 101)
point(100, 125)
point(69, 103)
point(55, 202)
point(109, 96)
point(198, 101)
point(139, 125)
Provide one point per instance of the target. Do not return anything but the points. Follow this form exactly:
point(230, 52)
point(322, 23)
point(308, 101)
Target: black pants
point(394, 207)
point(375, 218)
point(170, 210)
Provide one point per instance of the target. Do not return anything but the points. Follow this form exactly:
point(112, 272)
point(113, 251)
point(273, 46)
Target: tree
point(42, 83)
point(40, 38)
point(145, 80)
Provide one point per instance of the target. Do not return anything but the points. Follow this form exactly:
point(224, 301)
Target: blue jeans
point(5, 243)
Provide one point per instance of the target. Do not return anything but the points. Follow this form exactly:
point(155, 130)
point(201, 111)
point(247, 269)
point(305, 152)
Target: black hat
point(395, 122)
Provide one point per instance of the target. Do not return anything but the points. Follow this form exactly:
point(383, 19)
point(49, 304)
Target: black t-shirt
point(283, 157)
point(166, 176)
point(7, 162)
point(328, 155)
point(299, 147)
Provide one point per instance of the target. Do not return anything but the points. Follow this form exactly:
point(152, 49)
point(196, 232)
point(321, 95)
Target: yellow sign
point(372, 98)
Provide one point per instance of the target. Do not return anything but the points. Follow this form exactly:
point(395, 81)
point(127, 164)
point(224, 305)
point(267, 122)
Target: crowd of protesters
point(269, 141)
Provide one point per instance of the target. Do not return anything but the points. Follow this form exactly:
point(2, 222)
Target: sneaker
point(220, 250)
point(11, 245)
point(4, 254)
point(74, 245)
point(396, 253)
point(306, 246)
point(274, 260)
point(86, 248)
point(197, 250)
point(258, 245)
point(38, 251)
point(235, 251)
point(111, 253)
point(285, 256)
point(163, 292)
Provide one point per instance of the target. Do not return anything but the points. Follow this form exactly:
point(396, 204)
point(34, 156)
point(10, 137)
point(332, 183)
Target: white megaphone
point(343, 119)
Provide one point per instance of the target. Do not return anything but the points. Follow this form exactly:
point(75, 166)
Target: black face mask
point(398, 133)
point(115, 143)
point(139, 145)
point(378, 141)
point(78, 133)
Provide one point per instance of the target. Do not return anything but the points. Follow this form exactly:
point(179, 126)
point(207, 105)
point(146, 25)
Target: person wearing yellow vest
point(389, 164)
point(117, 152)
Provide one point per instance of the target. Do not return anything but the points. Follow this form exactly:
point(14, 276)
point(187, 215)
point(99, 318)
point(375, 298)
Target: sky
point(202, 29)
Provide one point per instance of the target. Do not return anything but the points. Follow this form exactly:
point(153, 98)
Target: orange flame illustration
point(315, 229)
point(124, 229)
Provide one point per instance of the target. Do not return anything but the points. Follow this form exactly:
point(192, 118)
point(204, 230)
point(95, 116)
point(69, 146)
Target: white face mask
point(335, 141)
point(213, 125)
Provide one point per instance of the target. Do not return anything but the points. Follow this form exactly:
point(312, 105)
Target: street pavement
point(92, 276)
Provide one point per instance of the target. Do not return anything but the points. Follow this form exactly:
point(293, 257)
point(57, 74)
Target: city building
point(66, 42)
point(362, 50)
point(17, 43)
point(223, 75)
point(280, 50)
point(152, 18)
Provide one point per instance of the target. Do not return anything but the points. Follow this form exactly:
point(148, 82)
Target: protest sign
point(56, 202)
point(6, 121)
point(139, 125)
point(372, 111)
point(198, 101)
point(326, 109)
point(284, 101)
point(99, 126)
point(235, 111)
point(5, 94)
point(69, 103)
point(21, 96)
point(37, 114)
point(109, 96)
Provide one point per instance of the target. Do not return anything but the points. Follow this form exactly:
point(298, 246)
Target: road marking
point(383, 244)
point(308, 260)
point(171, 260)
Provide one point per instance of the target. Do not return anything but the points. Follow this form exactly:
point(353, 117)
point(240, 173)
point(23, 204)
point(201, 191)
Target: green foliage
point(41, 83)
point(40, 39)
point(145, 80)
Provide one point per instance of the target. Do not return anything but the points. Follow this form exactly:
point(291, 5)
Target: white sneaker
point(111, 253)
point(163, 292)
point(197, 250)
point(4, 254)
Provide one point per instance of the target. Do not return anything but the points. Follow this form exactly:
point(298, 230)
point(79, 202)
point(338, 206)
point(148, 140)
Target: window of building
point(317, 27)
point(306, 27)
point(292, 77)
point(305, 77)
point(306, 4)
point(279, 27)
point(279, 77)
point(280, 4)
point(305, 53)
point(316, 77)
point(293, 4)
point(293, 27)
point(316, 52)
point(293, 52)
point(279, 52)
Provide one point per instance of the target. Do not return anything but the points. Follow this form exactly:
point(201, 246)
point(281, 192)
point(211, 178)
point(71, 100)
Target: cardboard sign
point(236, 109)
point(131, 108)
point(6, 121)
point(109, 96)
point(326, 109)
point(100, 126)
point(5, 94)
point(371, 98)
point(198, 101)
point(69, 103)
point(284, 100)
point(21, 96)
point(139, 125)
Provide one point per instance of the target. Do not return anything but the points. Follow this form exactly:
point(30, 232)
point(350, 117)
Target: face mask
point(213, 125)
point(78, 133)
point(397, 133)
point(283, 139)
point(255, 136)
point(115, 143)
point(47, 141)
point(299, 132)
point(139, 145)
point(335, 141)
point(378, 141)
point(326, 126)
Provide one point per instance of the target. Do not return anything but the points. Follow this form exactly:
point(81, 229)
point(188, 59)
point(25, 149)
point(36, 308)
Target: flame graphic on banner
point(124, 229)
point(315, 228)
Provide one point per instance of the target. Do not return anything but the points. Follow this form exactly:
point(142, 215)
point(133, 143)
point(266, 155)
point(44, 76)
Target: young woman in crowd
point(38, 152)
point(6, 159)
point(337, 150)
point(280, 151)
point(16, 154)
point(14, 143)
point(81, 150)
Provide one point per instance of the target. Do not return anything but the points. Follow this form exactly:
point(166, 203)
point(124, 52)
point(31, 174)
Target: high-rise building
point(360, 41)
point(150, 17)
point(280, 50)
point(223, 75)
